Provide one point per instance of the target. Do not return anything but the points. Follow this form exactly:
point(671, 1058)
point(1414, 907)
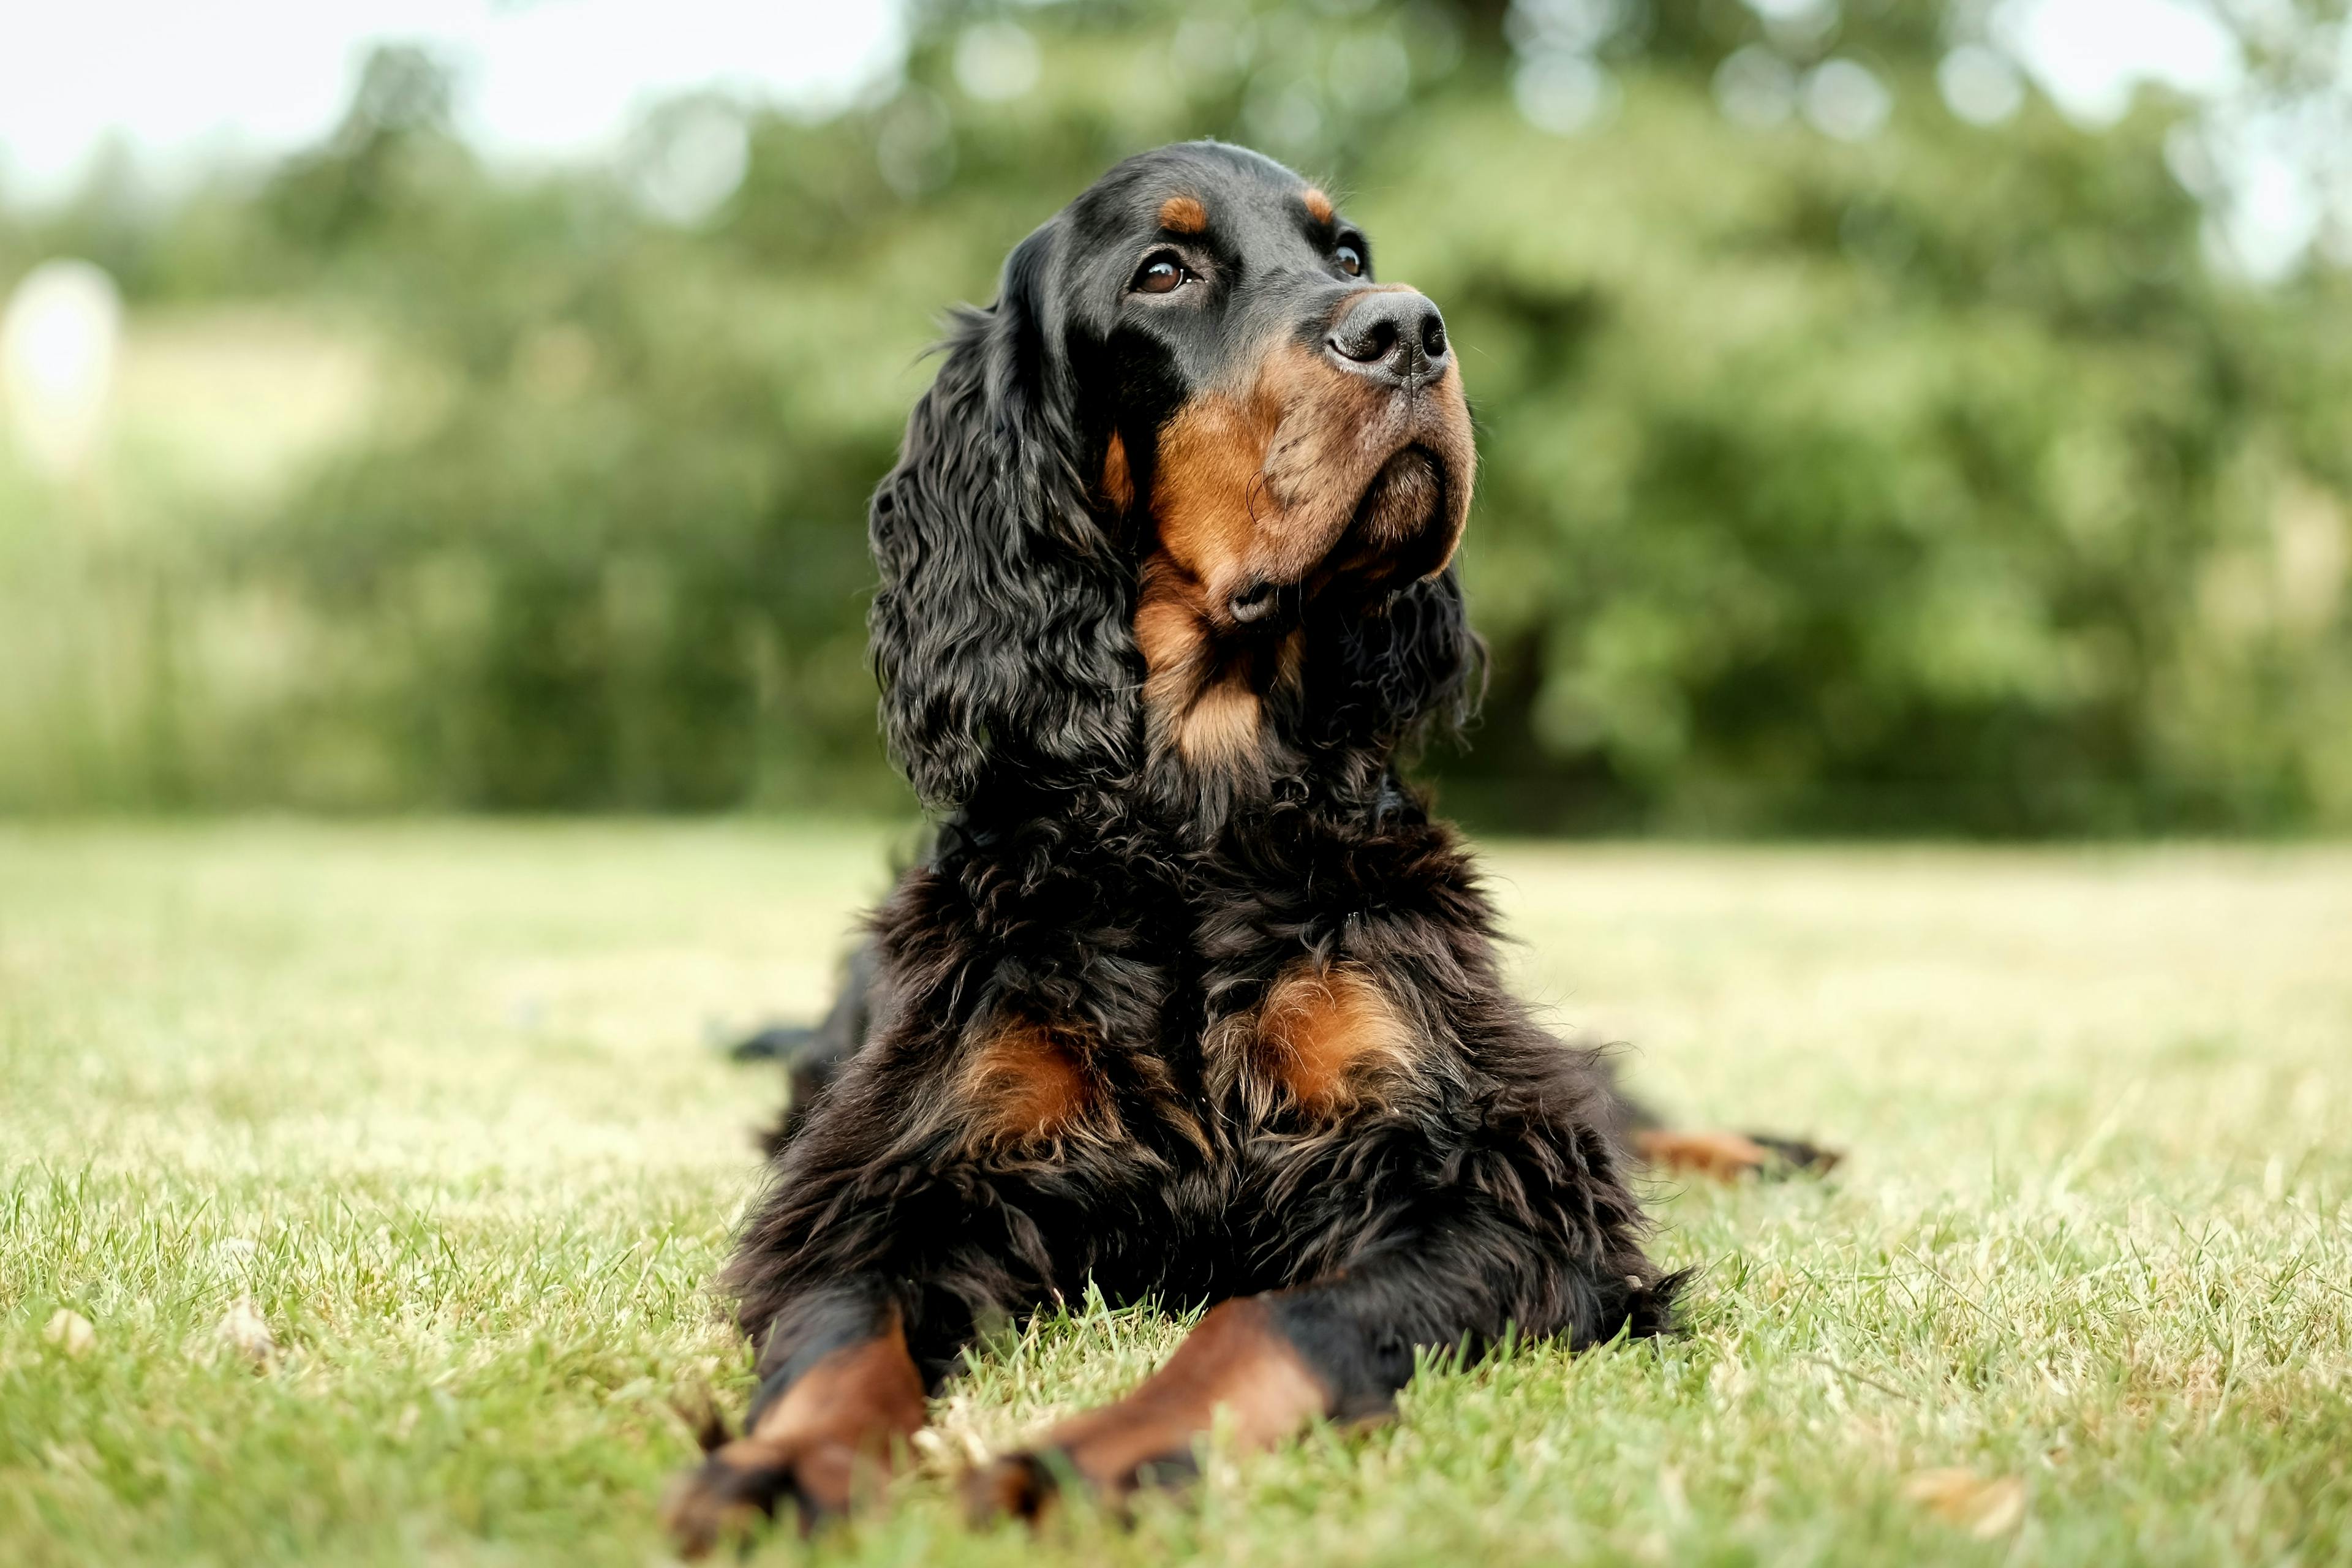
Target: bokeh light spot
point(1980, 84)
point(996, 61)
point(57, 345)
point(1845, 99)
point(1564, 93)
point(1755, 87)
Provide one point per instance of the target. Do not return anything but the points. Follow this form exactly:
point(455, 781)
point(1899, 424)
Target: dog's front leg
point(1265, 1367)
point(839, 1402)
point(1244, 1365)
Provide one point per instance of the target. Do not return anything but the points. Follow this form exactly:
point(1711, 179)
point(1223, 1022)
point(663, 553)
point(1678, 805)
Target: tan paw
point(742, 1482)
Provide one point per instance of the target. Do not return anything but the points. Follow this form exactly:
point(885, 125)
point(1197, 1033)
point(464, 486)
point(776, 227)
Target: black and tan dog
point(1190, 997)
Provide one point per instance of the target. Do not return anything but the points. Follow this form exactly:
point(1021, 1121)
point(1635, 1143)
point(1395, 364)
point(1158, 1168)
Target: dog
point(1191, 996)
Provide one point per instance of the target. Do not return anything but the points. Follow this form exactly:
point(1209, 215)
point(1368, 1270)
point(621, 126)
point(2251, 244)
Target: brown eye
point(1161, 275)
point(1351, 260)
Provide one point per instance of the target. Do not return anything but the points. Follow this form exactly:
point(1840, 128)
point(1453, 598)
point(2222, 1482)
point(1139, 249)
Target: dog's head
point(1185, 495)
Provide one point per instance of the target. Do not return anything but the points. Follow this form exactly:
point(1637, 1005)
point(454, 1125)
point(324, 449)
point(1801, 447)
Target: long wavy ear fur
point(1002, 628)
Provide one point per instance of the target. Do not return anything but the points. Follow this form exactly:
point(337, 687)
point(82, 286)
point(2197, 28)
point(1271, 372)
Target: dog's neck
point(1306, 710)
point(1237, 724)
point(1209, 699)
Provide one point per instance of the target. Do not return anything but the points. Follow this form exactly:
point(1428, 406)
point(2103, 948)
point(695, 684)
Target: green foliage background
point(1931, 481)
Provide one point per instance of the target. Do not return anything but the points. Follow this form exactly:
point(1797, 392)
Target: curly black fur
point(999, 630)
point(1142, 909)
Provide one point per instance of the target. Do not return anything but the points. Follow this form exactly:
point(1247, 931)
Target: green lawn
point(437, 1101)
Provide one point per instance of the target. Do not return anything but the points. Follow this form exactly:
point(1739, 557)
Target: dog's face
point(1286, 425)
point(1193, 431)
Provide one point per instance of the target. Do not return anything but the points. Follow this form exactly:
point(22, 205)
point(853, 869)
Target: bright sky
point(183, 81)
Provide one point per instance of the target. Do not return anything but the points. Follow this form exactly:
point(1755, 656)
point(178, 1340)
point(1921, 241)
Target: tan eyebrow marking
point(1184, 215)
point(1319, 205)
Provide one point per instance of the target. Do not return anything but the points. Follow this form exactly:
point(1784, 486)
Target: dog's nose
point(1395, 334)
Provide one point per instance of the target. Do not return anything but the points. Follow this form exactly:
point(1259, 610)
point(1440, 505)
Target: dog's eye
point(1161, 275)
point(1351, 260)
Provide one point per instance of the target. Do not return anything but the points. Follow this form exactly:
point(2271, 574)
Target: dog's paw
point(1796, 1156)
point(742, 1482)
point(1029, 1485)
point(1018, 1485)
point(1728, 1156)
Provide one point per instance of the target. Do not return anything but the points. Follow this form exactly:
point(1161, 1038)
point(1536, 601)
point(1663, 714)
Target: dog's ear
point(1399, 676)
point(1001, 629)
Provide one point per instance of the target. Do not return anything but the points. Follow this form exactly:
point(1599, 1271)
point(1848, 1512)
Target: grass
point(436, 1101)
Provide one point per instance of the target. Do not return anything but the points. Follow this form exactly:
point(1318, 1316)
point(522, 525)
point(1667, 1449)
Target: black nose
point(1395, 334)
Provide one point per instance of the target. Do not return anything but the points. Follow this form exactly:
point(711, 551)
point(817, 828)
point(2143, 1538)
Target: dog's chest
point(1320, 1042)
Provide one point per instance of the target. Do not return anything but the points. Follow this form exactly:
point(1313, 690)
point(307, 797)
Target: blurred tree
point(1867, 447)
point(381, 168)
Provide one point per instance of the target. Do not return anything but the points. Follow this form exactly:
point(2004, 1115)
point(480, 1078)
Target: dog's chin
point(1400, 532)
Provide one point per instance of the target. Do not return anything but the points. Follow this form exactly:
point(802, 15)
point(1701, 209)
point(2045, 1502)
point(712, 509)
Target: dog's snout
point(1395, 334)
